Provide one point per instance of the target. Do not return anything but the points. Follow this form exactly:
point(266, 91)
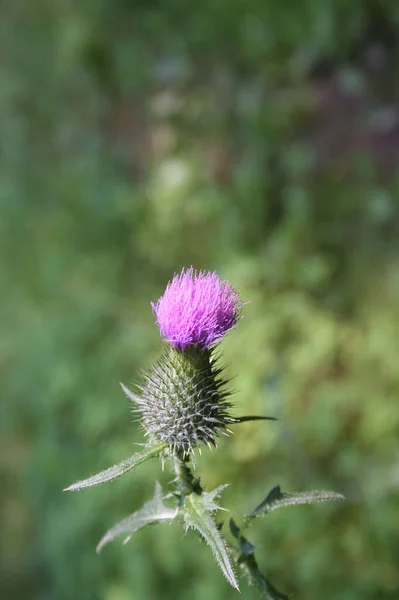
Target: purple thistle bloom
point(197, 309)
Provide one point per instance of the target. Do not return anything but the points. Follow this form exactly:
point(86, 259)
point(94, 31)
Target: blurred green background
point(257, 138)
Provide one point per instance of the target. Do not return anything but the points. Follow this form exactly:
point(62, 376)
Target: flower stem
point(186, 482)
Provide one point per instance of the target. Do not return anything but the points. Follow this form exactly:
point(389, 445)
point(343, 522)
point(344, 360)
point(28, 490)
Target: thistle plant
point(182, 404)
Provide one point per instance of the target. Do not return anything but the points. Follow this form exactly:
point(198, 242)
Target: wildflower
point(197, 309)
point(183, 400)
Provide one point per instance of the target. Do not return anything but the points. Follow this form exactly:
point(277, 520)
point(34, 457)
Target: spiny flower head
point(183, 400)
point(197, 309)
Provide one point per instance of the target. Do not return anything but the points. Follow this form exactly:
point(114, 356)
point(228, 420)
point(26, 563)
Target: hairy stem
point(186, 482)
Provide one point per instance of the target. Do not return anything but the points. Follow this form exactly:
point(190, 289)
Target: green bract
point(183, 400)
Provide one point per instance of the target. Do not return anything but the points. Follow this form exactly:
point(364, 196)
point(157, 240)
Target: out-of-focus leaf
point(267, 589)
point(278, 499)
point(117, 470)
point(234, 529)
point(197, 515)
point(246, 547)
point(245, 558)
point(153, 511)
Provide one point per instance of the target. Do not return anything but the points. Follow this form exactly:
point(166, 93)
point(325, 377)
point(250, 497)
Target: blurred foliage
point(258, 138)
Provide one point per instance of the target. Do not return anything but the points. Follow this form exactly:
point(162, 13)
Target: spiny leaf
point(117, 470)
point(197, 516)
point(209, 498)
point(153, 511)
point(278, 499)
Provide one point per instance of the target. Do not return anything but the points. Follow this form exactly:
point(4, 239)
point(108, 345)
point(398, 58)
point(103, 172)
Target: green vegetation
point(257, 138)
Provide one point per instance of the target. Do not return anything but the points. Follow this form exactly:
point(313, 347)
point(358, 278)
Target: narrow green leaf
point(245, 546)
point(197, 516)
point(264, 585)
point(252, 418)
point(153, 511)
point(117, 470)
point(278, 499)
point(246, 560)
point(234, 529)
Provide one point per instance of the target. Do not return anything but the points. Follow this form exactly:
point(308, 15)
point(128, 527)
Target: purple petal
point(197, 308)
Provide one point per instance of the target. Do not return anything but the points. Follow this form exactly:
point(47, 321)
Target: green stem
point(186, 482)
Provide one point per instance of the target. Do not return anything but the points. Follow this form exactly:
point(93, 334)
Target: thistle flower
point(184, 400)
point(197, 309)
